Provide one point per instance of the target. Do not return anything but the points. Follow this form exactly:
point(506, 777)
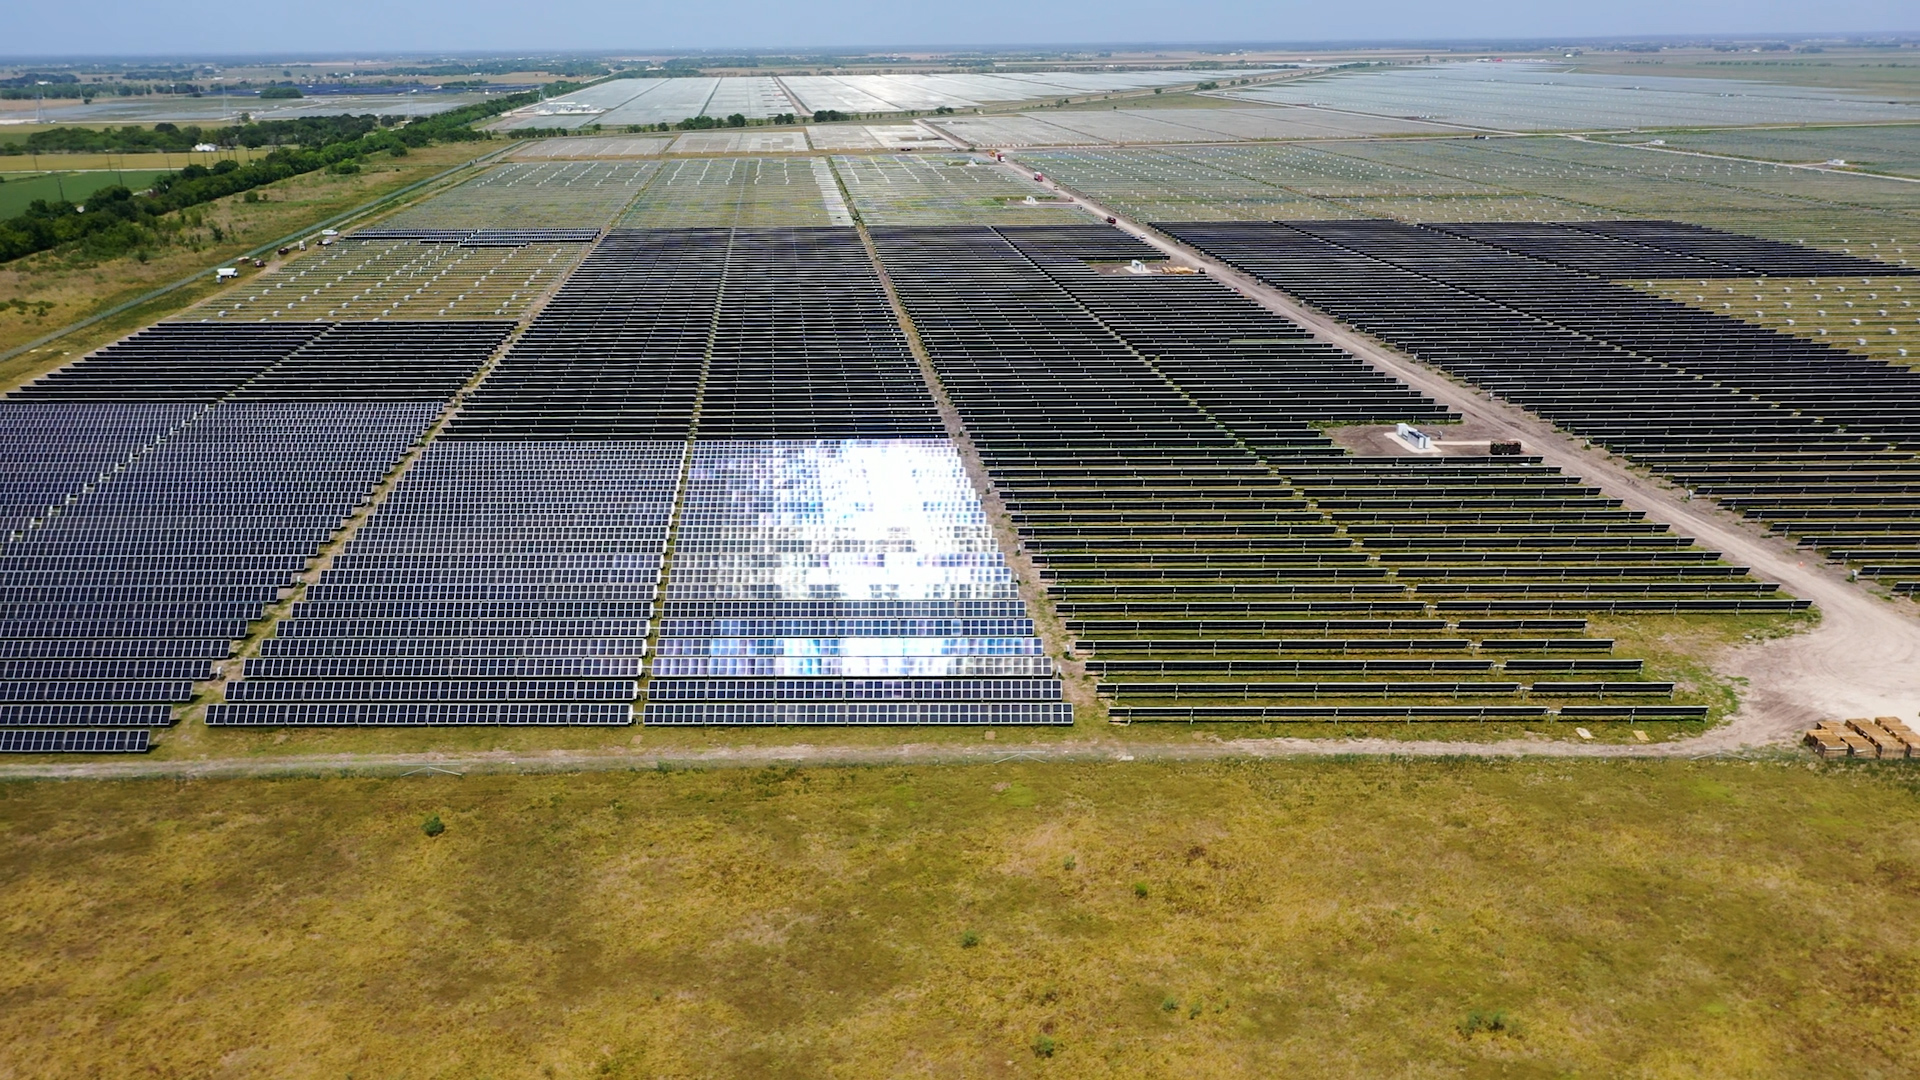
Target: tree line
point(172, 138)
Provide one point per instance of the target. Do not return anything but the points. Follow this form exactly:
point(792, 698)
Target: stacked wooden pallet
point(1881, 737)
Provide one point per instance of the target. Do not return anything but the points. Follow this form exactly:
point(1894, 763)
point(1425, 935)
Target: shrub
point(1140, 889)
point(969, 939)
point(1496, 1023)
point(433, 826)
point(1045, 1046)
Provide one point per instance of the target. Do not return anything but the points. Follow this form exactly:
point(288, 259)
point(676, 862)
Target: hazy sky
point(208, 27)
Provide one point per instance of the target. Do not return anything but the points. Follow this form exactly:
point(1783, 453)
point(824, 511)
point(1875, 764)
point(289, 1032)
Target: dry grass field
point(1333, 918)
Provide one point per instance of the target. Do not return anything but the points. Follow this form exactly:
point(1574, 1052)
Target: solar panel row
point(1816, 442)
point(494, 583)
point(1153, 437)
point(209, 463)
point(832, 536)
point(542, 513)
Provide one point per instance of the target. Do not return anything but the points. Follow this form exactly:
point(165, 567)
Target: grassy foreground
point(1329, 918)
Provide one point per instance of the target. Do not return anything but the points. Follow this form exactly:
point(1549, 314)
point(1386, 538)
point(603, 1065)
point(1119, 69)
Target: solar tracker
point(1872, 316)
point(74, 742)
point(1888, 148)
point(741, 142)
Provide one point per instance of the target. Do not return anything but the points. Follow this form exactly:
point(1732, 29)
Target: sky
point(203, 28)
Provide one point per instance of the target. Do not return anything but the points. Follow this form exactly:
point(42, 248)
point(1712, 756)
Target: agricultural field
point(18, 190)
point(128, 163)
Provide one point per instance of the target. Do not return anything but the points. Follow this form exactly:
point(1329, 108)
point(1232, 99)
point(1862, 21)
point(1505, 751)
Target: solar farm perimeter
point(763, 428)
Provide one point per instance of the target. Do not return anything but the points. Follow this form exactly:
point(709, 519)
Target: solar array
point(401, 278)
point(1887, 148)
point(830, 565)
point(1872, 316)
point(1217, 557)
point(655, 101)
point(805, 346)
point(1540, 97)
point(527, 195)
point(624, 146)
point(1499, 179)
point(946, 189)
point(503, 582)
point(843, 581)
point(739, 192)
point(1120, 126)
point(198, 467)
point(727, 141)
point(1815, 442)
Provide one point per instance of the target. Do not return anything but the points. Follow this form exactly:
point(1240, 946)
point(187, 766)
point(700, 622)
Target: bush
point(1045, 1046)
point(1140, 889)
point(433, 826)
point(1495, 1023)
point(969, 939)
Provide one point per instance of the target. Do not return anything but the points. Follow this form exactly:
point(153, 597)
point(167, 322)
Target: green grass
point(1309, 919)
point(23, 188)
